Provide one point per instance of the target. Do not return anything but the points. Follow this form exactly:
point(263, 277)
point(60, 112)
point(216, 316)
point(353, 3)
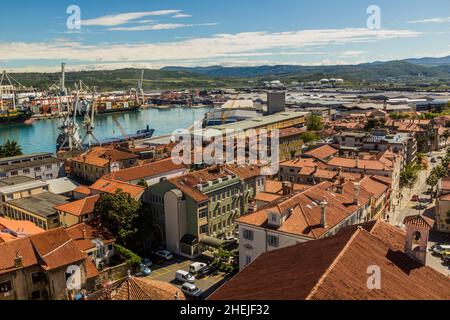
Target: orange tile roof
point(306, 212)
point(322, 152)
point(20, 227)
point(361, 164)
point(141, 289)
point(146, 170)
point(51, 250)
point(299, 163)
point(83, 190)
point(373, 186)
point(79, 207)
point(84, 233)
point(111, 186)
point(100, 156)
point(335, 268)
point(419, 221)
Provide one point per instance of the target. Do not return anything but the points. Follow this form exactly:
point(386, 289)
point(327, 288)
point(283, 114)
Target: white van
point(184, 276)
point(196, 267)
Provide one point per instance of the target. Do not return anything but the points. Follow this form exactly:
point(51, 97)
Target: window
point(110, 247)
point(5, 286)
point(204, 229)
point(248, 235)
point(49, 167)
point(37, 169)
point(203, 213)
point(248, 259)
point(272, 241)
point(25, 171)
point(14, 173)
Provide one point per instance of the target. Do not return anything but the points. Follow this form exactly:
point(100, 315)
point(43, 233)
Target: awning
point(212, 242)
point(189, 240)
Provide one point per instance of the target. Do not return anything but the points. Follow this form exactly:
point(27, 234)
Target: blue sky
point(155, 33)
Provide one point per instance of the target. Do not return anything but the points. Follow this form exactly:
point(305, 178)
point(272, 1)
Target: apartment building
point(99, 161)
point(194, 211)
point(41, 166)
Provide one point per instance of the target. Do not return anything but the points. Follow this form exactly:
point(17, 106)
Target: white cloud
point(182, 15)
point(432, 20)
point(161, 26)
point(124, 18)
point(198, 50)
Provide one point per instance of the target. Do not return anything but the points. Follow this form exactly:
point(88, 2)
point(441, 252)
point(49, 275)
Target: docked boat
point(14, 115)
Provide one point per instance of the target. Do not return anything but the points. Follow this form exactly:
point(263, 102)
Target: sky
point(110, 34)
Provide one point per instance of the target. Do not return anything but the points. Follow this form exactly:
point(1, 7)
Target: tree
point(10, 149)
point(314, 123)
point(119, 213)
point(446, 135)
point(143, 183)
point(374, 123)
point(436, 174)
point(309, 137)
point(409, 175)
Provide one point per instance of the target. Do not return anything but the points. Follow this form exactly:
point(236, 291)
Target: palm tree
point(10, 149)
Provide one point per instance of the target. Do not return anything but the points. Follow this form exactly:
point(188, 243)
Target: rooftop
point(145, 171)
point(79, 207)
point(42, 204)
point(335, 268)
point(111, 186)
point(141, 289)
point(101, 156)
point(85, 235)
point(30, 164)
point(62, 185)
point(322, 152)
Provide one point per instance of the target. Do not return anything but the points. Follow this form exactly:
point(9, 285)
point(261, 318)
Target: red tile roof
point(111, 186)
point(322, 152)
point(335, 268)
point(51, 249)
point(79, 207)
point(19, 227)
point(145, 289)
point(84, 233)
point(101, 156)
point(145, 171)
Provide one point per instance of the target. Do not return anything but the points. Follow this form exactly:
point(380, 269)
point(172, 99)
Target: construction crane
point(89, 124)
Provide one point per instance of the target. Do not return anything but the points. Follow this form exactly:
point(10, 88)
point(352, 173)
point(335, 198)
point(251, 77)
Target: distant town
point(358, 209)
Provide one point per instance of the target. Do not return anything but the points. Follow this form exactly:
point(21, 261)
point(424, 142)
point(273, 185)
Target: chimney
point(287, 188)
point(18, 261)
point(357, 162)
point(323, 214)
point(357, 186)
point(84, 233)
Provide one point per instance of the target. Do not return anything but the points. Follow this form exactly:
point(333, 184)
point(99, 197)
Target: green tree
point(446, 135)
point(374, 123)
point(314, 123)
point(309, 136)
point(10, 149)
point(143, 183)
point(119, 213)
point(409, 175)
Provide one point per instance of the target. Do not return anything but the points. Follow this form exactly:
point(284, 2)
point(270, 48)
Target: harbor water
point(41, 135)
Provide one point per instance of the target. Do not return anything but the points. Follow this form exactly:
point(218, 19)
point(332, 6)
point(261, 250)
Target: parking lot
point(435, 261)
point(166, 273)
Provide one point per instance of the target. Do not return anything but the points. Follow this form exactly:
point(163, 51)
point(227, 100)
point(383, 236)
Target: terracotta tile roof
point(84, 233)
point(145, 289)
point(276, 187)
point(188, 183)
point(373, 186)
point(383, 165)
point(300, 163)
point(145, 171)
point(83, 190)
point(19, 227)
point(79, 207)
point(91, 269)
point(335, 268)
point(100, 156)
point(419, 221)
point(289, 132)
point(51, 249)
point(305, 217)
point(111, 186)
point(266, 197)
point(322, 152)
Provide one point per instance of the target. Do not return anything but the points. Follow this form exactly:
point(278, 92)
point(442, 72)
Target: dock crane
point(88, 124)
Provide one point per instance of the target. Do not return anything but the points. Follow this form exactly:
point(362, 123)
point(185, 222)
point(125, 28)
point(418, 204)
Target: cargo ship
point(14, 116)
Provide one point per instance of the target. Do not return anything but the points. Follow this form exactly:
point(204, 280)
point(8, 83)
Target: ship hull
point(15, 119)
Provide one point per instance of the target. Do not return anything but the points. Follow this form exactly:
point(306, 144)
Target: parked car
point(206, 271)
point(191, 290)
point(415, 198)
point(196, 267)
point(166, 254)
point(433, 160)
point(147, 262)
point(144, 271)
point(440, 249)
point(184, 276)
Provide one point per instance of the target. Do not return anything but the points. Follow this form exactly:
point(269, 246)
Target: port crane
point(88, 124)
